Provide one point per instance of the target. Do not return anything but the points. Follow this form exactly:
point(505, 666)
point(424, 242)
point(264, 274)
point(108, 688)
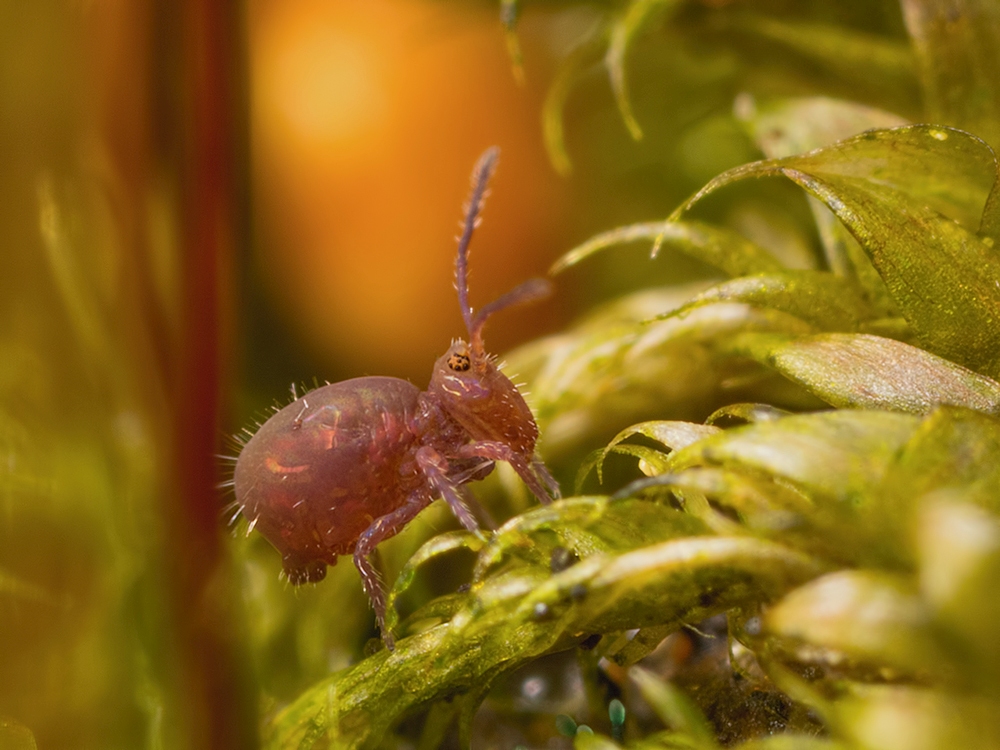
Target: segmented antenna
point(480, 179)
point(529, 291)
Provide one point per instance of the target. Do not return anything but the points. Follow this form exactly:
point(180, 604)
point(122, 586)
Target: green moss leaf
point(786, 127)
point(957, 44)
point(864, 58)
point(672, 435)
point(897, 717)
point(608, 372)
point(696, 575)
point(819, 298)
point(746, 413)
point(517, 615)
point(864, 371)
point(959, 548)
point(941, 275)
point(583, 52)
point(864, 617)
point(955, 450)
point(623, 31)
point(757, 501)
point(674, 708)
point(724, 249)
point(838, 454)
point(584, 525)
point(794, 126)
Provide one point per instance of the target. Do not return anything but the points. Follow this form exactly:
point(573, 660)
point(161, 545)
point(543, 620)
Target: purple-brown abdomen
point(317, 473)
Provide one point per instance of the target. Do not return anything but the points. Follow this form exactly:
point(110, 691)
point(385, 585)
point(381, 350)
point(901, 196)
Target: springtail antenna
point(480, 180)
point(529, 291)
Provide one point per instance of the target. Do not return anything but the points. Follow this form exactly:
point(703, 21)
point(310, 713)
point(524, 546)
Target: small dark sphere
point(578, 592)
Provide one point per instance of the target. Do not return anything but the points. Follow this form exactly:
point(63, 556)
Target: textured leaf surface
point(821, 299)
point(863, 371)
point(919, 234)
point(839, 454)
point(617, 368)
point(513, 616)
point(788, 127)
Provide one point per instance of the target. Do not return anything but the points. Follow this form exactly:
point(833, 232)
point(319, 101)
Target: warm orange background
point(366, 119)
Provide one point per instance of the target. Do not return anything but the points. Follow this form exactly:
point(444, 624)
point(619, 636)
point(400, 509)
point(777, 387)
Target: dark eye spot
point(459, 362)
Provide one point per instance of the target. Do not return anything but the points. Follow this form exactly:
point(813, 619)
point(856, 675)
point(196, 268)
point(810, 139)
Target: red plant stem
point(212, 693)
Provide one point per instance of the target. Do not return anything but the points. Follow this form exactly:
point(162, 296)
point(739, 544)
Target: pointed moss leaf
point(795, 126)
point(724, 249)
point(786, 127)
point(817, 297)
point(863, 371)
point(873, 62)
point(871, 618)
point(586, 526)
point(435, 547)
point(769, 508)
point(954, 449)
point(748, 413)
point(571, 366)
point(638, 14)
point(520, 614)
point(674, 708)
point(672, 435)
point(838, 454)
point(940, 274)
point(591, 381)
point(957, 44)
point(710, 324)
point(685, 580)
point(586, 49)
point(755, 499)
point(772, 509)
point(957, 171)
point(942, 277)
point(848, 259)
point(959, 547)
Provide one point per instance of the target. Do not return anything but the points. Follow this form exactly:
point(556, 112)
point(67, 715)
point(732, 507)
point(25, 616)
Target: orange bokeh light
point(366, 120)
